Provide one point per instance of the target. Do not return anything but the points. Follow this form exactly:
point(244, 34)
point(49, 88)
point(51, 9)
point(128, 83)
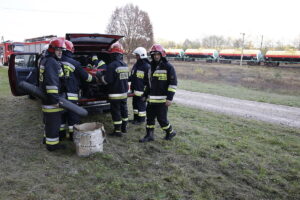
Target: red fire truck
point(36, 45)
point(7, 48)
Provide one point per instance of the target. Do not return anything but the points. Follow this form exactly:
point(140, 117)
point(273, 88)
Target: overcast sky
point(172, 20)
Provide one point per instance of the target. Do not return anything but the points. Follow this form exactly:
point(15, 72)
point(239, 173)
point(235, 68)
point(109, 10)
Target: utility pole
point(261, 42)
point(2, 39)
point(242, 53)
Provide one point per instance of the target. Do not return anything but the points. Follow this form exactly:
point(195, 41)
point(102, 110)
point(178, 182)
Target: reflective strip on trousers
point(150, 126)
point(72, 96)
point(51, 109)
point(125, 119)
point(51, 89)
point(166, 127)
point(157, 97)
point(52, 141)
point(135, 111)
point(117, 122)
point(117, 96)
point(142, 114)
point(62, 127)
point(157, 101)
point(71, 129)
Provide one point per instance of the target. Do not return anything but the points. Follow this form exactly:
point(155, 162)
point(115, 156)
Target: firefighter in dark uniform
point(51, 83)
point(116, 79)
point(160, 91)
point(73, 75)
point(138, 78)
point(98, 64)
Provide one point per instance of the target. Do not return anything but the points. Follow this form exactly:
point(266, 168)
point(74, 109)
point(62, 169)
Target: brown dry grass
point(281, 80)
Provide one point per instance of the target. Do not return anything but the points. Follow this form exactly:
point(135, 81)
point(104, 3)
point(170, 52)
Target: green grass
point(239, 92)
point(3, 82)
point(212, 157)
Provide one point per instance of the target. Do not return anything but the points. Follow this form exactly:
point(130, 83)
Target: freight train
point(249, 56)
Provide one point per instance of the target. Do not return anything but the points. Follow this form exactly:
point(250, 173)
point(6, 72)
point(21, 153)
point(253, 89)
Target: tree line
point(137, 28)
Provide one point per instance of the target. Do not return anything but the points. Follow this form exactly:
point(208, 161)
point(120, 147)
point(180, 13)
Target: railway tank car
point(208, 55)
point(250, 56)
point(275, 58)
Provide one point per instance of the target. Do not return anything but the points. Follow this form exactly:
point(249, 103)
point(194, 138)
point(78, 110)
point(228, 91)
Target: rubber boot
point(124, 127)
point(70, 136)
point(135, 119)
point(44, 140)
point(117, 131)
point(148, 137)
point(170, 135)
point(62, 135)
point(140, 120)
point(55, 147)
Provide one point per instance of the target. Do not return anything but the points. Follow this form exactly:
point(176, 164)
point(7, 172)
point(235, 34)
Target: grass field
point(264, 84)
point(213, 157)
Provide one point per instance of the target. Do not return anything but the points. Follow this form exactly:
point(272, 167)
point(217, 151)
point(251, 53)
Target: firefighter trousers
point(139, 108)
point(159, 111)
point(119, 113)
point(69, 119)
point(52, 121)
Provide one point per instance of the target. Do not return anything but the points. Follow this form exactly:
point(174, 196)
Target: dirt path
point(278, 114)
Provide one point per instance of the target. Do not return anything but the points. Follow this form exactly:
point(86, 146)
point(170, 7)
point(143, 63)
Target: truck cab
point(8, 48)
point(93, 97)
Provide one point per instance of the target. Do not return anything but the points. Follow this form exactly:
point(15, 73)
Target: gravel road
point(277, 114)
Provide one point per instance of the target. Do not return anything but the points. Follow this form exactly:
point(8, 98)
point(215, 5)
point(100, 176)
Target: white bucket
point(88, 138)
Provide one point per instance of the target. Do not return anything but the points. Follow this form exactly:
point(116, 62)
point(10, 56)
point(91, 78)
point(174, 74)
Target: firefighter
point(51, 83)
point(160, 90)
point(116, 79)
point(138, 78)
point(98, 64)
point(73, 75)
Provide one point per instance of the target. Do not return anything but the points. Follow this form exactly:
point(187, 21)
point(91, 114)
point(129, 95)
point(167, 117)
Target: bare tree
point(134, 24)
point(213, 41)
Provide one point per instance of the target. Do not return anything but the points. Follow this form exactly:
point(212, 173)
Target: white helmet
point(141, 51)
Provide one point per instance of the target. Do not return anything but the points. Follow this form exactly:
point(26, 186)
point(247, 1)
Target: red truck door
point(22, 67)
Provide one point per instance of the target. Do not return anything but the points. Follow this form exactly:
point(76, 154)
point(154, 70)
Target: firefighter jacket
point(50, 74)
point(73, 75)
point(99, 64)
point(139, 76)
point(116, 78)
point(162, 82)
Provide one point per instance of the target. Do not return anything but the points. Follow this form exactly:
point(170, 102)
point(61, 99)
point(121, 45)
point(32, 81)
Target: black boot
point(140, 120)
point(116, 133)
point(44, 140)
point(148, 137)
point(62, 135)
point(70, 136)
point(169, 135)
point(124, 127)
point(135, 116)
point(55, 147)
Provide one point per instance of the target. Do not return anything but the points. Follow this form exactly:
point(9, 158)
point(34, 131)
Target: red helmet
point(158, 48)
point(116, 48)
point(69, 46)
point(56, 43)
